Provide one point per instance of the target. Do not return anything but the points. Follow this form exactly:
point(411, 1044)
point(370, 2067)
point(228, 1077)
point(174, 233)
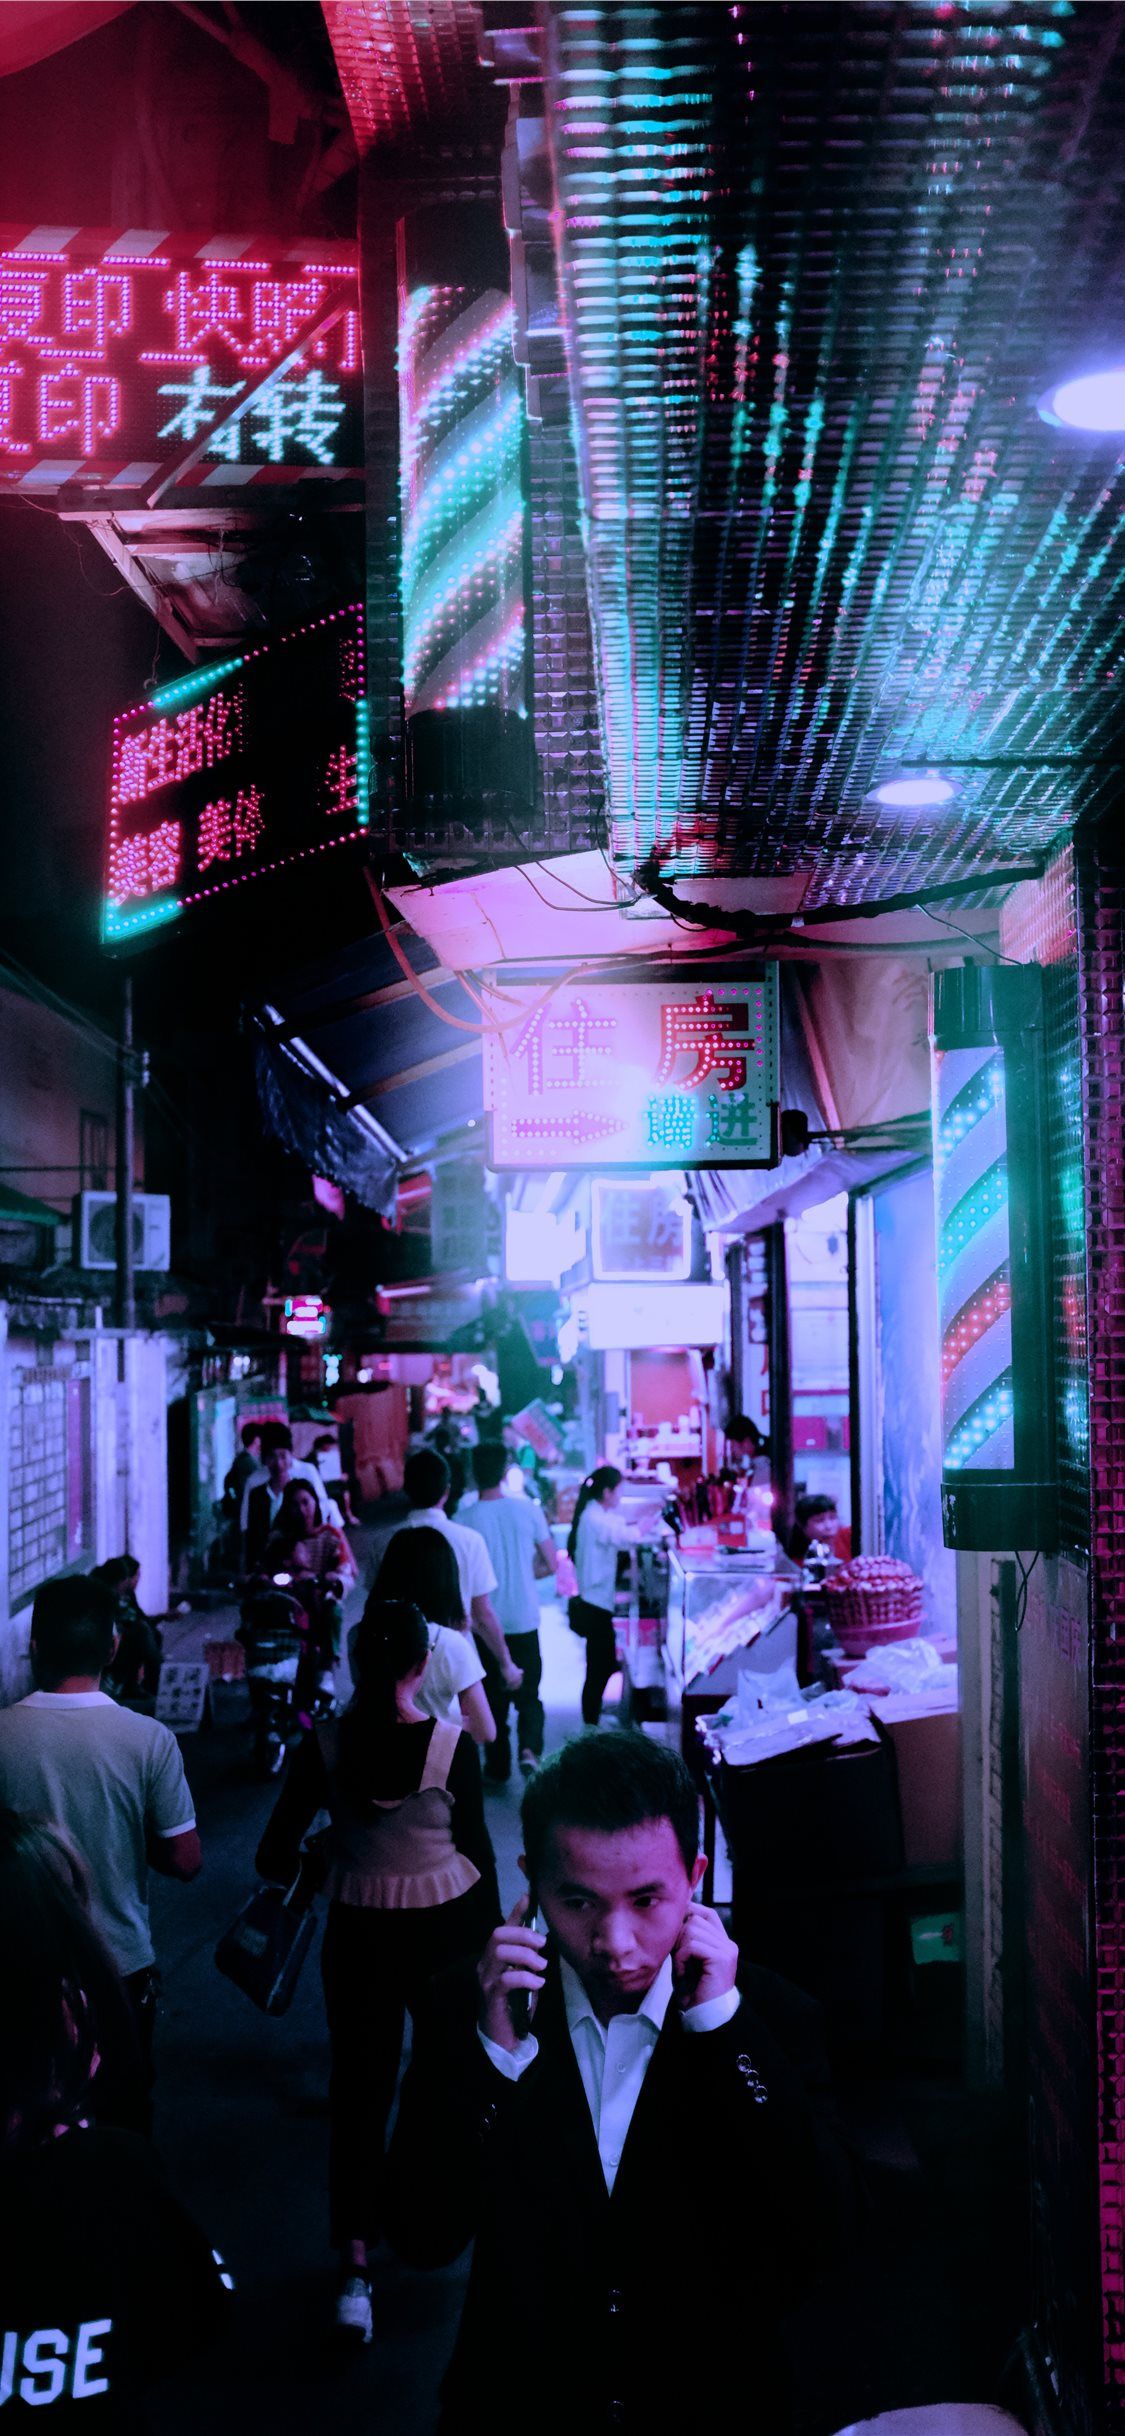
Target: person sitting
point(584, 2152)
point(300, 1543)
point(412, 1886)
point(262, 1495)
point(105, 2279)
point(133, 1674)
point(816, 1520)
point(420, 1565)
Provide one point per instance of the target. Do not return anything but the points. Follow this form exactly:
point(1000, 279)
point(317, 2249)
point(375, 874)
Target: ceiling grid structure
point(813, 289)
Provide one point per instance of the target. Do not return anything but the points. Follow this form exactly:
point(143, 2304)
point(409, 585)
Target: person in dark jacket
point(655, 2151)
point(412, 1886)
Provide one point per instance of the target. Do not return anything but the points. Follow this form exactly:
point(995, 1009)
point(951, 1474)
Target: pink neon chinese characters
point(717, 1038)
point(112, 360)
point(560, 1048)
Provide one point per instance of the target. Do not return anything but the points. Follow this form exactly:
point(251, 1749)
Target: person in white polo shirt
point(114, 1780)
point(426, 1480)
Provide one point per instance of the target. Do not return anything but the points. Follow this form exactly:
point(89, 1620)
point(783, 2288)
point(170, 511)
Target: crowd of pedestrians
point(531, 2037)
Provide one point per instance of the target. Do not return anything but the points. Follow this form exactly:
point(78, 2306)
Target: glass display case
point(723, 1600)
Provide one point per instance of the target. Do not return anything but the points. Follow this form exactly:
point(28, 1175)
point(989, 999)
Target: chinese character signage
point(120, 354)
point(237, 771)
point(640, 1229)
point(647, 1075)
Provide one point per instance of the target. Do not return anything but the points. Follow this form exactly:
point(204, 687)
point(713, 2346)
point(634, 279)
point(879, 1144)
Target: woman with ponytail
point(411, 1885)
point(597, 1537)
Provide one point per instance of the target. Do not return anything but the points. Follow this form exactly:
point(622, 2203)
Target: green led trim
point(188, 687)
point(362, 764)
point(116, 925)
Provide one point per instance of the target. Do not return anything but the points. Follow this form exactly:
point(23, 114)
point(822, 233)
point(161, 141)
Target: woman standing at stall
point(598, 1534)
point(412, 1888)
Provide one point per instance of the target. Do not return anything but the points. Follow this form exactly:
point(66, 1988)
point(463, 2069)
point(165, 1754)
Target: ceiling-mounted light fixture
point(1093, 402)
point(915, 791)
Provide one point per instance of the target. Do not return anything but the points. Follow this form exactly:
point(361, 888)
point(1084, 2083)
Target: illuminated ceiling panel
point(818, 266)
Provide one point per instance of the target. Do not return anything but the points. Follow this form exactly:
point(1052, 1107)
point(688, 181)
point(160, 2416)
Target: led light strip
point(974, 1264)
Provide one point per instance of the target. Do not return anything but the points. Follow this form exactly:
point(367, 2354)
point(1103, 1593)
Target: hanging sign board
point(124, 354)
point(644, 1074)
point(641, 1228)
point(237, 771)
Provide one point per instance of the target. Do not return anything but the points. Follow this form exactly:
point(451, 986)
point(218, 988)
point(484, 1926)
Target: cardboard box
point(927, 1753)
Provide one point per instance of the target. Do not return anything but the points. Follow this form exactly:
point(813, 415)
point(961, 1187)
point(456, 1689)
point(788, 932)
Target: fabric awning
point(854, 1053)
point(361, 1071)
point(19, 1208)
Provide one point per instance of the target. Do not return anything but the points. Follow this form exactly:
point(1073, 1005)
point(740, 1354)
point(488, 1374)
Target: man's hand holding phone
point(704, 1958)
point(513, 1965)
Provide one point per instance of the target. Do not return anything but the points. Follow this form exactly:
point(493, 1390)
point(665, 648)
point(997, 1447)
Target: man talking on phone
point(631, 2123)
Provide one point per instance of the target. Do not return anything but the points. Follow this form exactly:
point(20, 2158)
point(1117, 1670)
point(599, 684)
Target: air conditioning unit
point(95, 1231)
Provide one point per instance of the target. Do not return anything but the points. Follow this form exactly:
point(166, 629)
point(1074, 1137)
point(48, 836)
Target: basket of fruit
point(872, 1600)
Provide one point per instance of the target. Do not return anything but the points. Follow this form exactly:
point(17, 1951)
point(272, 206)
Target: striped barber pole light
point(991, 1185)
point(974, 1261)
point(462, 502)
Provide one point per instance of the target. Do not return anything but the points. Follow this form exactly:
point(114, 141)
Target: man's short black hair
point(490, 1463)
point(250, 1433)
point(73, 1623)
point(276, 1435)
point(426, 1477)
point(610, 1781)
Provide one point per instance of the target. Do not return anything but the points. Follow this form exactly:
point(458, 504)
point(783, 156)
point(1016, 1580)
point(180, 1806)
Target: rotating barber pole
point(998, 1489)
point(462, 503)
point(974, 1261)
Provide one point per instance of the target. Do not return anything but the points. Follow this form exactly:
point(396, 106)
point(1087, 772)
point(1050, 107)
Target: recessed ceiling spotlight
point(1094, 402)
point(922, 791)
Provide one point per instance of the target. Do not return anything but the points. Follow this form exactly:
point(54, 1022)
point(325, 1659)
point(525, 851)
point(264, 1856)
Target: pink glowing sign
point(237, 771)
point(645, 1075)
point(121, 353)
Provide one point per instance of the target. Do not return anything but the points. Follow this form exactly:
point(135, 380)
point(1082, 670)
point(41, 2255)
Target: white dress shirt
point(612, 2061)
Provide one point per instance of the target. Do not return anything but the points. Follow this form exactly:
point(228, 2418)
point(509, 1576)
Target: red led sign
point(237, 771)
point(121, 353)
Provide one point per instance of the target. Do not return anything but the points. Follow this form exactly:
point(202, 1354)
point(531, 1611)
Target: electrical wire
point(981, 945)
point(491, 1027)
point(1025, 1573)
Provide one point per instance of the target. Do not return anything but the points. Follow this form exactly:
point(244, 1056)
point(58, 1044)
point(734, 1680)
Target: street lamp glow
point(924, 792)
point(1094, 402)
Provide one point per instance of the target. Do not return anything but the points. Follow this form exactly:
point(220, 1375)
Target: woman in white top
point(597, 1535)
point(420, 1565)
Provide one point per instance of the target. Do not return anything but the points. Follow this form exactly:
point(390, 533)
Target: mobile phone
point(520, 2001)
point(688, 1976)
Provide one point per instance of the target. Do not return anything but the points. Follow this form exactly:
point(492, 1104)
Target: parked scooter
point(288, 1663)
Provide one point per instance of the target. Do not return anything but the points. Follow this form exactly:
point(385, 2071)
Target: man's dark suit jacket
point(659, 2307)
point(259, 1523)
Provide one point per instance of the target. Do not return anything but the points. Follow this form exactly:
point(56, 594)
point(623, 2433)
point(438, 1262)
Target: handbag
point(264, 1949)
